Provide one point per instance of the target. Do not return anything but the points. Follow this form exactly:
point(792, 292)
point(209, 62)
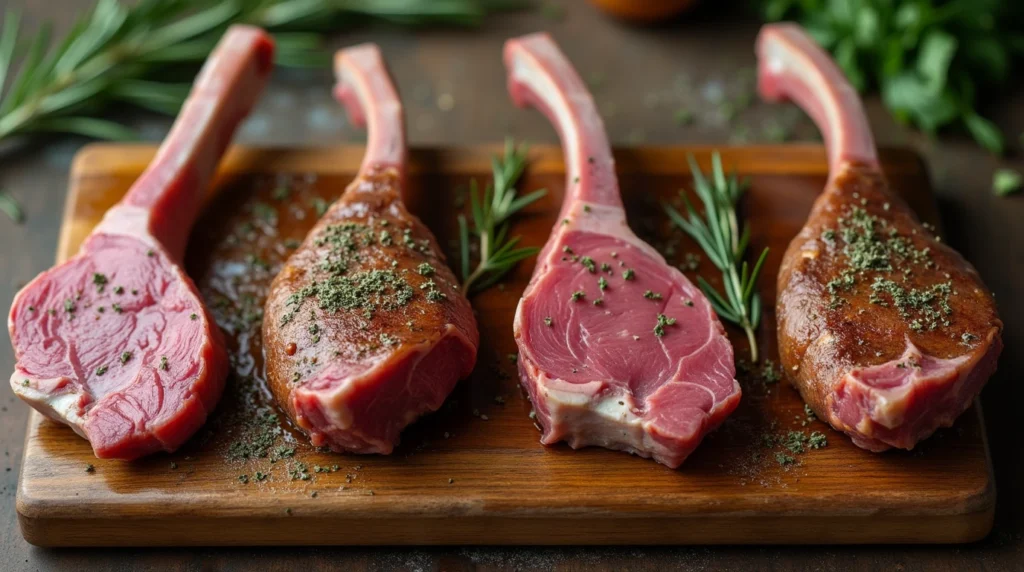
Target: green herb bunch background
point(932, 60)
point(145, 54)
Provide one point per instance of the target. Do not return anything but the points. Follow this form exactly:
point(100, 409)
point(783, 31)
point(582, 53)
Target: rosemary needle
point(720, 235)
point(490, 213)
point(11, 208)
point(133, 53)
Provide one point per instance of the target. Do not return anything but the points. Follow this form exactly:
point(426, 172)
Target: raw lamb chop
point(887, 332)
point(616, 348)
point(366, 328)
point(116, 342)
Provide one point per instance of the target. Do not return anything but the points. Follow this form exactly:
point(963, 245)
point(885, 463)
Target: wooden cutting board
point(474, 472)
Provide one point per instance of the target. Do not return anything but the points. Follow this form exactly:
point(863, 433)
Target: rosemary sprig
point(11, 208)
point(126, 54)
point(718, 232)
point(491, 212)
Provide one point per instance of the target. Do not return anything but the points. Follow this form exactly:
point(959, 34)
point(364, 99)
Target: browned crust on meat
point(295, 354)
point(820, 341)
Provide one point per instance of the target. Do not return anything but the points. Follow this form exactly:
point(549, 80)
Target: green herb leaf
point(1006, 182)
point(155, 96)
point(120, 53)
point(927, 57)
point(8, 41)
point(718, 232)
point(11, 208)
point(87, 126)
point(984, 132)
point(934, 56)
point(491, 211)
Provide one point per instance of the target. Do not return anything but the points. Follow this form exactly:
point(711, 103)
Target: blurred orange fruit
point(644, 11)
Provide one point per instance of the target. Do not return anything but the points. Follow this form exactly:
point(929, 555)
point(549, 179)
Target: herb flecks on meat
point(878, 257)
point(336, 288)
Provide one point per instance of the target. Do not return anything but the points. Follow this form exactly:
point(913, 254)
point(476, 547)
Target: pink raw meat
point(116, 342)
point(887, 332)
point(366, 328)
point(599, 368)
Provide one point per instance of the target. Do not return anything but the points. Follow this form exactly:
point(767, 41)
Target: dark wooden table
point(453, 84)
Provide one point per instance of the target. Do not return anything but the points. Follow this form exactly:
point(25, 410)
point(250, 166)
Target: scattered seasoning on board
point(265, 212)
point(796, 442)
point(281, 192)
point(691, 262)
point(258, 435)
point(319, 206)
point(281, 452)
point(90, 469)
point(817, 440)
point(299, 472)
point(682, 117)
point(769, 374)
point(783, 459)
point(809, 417)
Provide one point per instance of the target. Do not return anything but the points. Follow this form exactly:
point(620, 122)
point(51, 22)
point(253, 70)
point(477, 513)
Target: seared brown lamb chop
point(116, 342)
point(887, 332)
point(366, 328)
point(616, 348)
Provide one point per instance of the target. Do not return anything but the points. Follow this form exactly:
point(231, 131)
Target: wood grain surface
point(474, 473)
